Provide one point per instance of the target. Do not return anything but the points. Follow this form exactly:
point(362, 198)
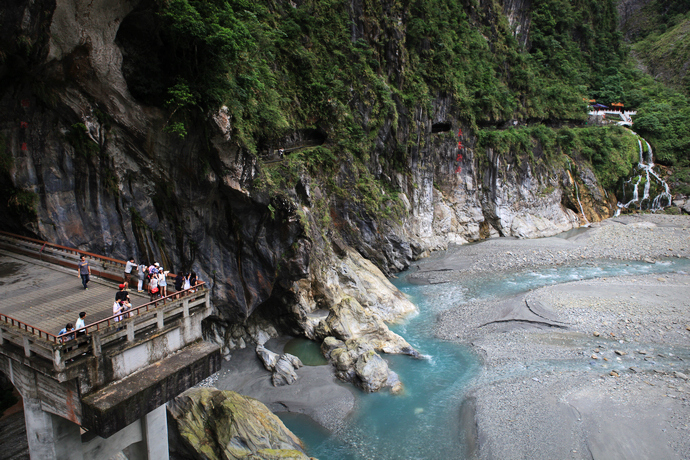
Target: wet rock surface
point(214, 424)
point(599, 362)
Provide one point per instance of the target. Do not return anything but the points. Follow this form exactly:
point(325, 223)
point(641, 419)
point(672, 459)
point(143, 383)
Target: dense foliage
point(275, 65)
point(661, 43)
point(611, 150)
point(281, 67)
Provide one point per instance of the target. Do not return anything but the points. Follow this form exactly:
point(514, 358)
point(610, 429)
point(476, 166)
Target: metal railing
point(135, 311)
point(109, 268)
point(27, 327)
point(106, 322)
point(47, 244)
point(158, 315)
point(51, 346)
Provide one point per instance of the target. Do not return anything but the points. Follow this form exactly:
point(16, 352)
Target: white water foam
point(646, 165)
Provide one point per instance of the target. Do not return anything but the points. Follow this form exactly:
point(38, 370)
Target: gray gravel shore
point(586, 369)
point(631, 237)
point(317, 393)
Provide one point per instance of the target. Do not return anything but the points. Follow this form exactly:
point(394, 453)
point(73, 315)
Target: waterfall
point(577, 194)
point(647, 166)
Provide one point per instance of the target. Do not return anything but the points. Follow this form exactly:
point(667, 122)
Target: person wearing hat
point(153, 286)
point(122, 294)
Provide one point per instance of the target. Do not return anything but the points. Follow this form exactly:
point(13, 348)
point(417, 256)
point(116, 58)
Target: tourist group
point(150, 278)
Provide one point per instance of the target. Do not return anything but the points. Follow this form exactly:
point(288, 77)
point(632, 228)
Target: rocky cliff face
point(88, 165)
point(627, 10)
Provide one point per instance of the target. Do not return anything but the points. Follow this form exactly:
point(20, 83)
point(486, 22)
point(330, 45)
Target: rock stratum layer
point(86, 164)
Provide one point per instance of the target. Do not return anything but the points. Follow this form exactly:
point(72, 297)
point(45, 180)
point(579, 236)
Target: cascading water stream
point(577, 194)
point(646, 165)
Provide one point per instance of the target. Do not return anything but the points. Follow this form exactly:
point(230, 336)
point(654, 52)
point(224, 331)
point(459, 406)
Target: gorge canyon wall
point(85, 164)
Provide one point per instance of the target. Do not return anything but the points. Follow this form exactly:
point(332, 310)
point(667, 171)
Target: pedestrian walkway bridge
point(111, 378)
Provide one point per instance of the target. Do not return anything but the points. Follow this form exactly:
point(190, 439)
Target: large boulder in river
point(349, 320)
point(357, 362)
point(283, 367)
point(212, 424)
point(346, 274)
point(284, 372)
point(372, 371)
point(268, 357)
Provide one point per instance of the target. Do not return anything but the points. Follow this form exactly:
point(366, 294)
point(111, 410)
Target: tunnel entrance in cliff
point(443, 127)
point(276, 311)
point(568, 201)
point(295, 141)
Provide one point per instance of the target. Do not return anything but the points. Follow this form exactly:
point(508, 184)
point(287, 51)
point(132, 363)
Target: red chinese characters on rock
point(24, 146)
point(459, 157)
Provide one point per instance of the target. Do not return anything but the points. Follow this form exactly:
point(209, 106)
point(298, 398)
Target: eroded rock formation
point(224, 425)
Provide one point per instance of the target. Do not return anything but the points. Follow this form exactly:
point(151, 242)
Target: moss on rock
point(225, 425)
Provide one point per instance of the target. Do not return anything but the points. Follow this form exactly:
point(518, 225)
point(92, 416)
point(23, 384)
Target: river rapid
point(431, 419)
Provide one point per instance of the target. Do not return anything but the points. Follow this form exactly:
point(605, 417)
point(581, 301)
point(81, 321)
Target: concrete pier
point(104, 392)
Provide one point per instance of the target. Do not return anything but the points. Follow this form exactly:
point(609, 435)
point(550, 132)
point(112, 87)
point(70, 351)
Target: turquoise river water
point(424, 422)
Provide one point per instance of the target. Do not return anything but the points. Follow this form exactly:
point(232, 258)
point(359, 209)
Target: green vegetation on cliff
point(612, 151)
point(360, 72)
point(367, 74)
point(276, 66)
point(660, 43)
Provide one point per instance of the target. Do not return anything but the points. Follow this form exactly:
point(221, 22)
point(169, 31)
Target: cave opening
point(440, 127)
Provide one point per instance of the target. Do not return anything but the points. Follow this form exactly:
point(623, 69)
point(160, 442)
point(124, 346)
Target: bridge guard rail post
point(27, 346)
point(58, 361)
point(96, 344)
point(186, 319)
point(185, 308)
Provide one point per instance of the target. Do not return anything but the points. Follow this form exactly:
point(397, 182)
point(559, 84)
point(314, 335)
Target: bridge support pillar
point(50, 437)
point(144, 439)
point(155, 429)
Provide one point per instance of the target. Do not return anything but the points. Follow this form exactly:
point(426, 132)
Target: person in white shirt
point(117, 309)
point(131, 264)
point(163, 282)
point(141, 275)
point(80, 325)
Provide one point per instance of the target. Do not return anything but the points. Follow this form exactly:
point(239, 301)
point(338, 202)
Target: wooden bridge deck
point(48, 296)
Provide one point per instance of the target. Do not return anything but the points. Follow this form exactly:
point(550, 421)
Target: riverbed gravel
point(638, 237)
point(587, 369)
